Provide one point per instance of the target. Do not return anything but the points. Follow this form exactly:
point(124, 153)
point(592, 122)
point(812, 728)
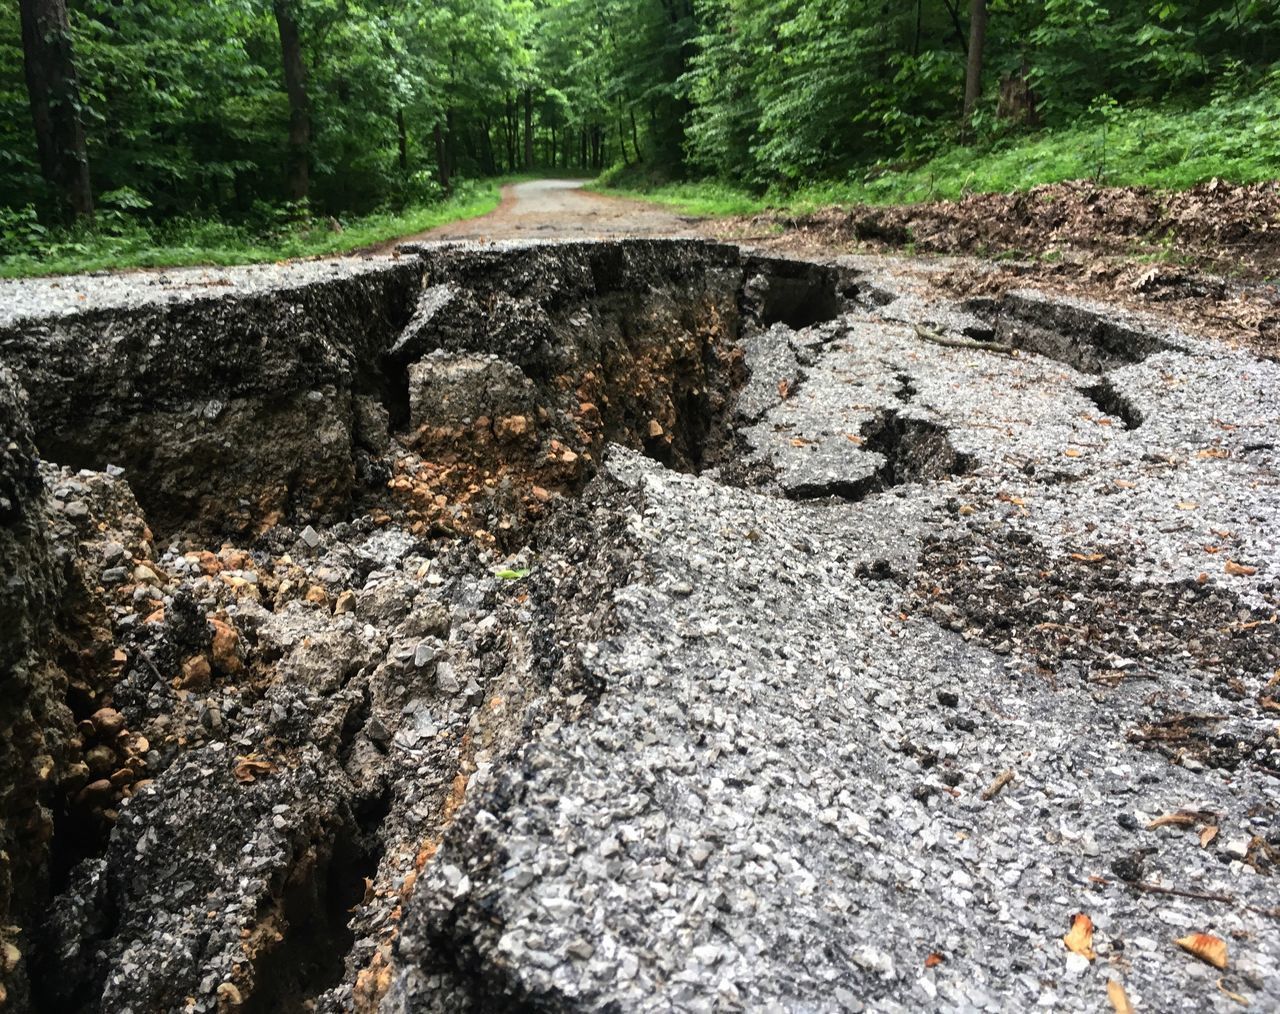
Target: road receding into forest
point(562, 209)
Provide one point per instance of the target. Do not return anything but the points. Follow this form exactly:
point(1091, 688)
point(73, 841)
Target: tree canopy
point(229, 107)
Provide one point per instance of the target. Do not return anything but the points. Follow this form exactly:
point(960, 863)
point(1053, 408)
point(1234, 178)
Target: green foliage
point(188, 121)
point(1166, 147)
point(116, 240)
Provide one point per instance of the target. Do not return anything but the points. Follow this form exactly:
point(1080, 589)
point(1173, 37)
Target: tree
point(54, 91)
point(973, 67)
point(295, 84)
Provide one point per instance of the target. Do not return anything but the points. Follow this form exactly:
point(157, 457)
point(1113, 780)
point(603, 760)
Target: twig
point(993, 790)
point(1179, 892)
point(956, 343)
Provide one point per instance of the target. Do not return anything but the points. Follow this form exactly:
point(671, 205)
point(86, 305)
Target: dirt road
point(562, 209)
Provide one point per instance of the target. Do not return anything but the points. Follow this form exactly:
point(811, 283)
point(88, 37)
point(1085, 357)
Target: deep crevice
point(1111, 402)
point(914, 450)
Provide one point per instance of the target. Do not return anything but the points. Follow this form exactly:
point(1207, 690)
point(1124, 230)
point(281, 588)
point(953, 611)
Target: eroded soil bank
point(628, 625)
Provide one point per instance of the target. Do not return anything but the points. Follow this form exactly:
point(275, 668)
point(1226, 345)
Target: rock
point(346, 603)
point(224, 648)
point(310, 536)
point(196, 673)
point(145, 575)
point(453, 390)
point(107, 723)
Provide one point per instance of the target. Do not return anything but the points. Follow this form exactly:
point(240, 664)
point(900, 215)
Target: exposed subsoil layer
point(628, 626)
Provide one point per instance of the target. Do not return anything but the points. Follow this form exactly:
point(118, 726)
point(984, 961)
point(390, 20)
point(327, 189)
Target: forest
point(158, 118)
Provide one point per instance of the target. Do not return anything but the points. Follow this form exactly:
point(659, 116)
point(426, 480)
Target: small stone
point(655, 429)
point(424, 654)
point(948, 698)
point(196, 674)
point(229, 994)
point(76, 509)
point(145, 575)
point(512, 427)
point(310, 536)
point(225, 641)
point(107, 722)
point(114, 575)
point(346, 603)
point(317, 596)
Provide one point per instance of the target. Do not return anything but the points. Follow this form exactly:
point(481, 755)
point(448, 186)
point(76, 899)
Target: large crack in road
point(629, 625)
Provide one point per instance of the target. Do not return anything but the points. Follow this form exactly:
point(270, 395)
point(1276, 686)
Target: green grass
point(1235, 139)
point(118, 241)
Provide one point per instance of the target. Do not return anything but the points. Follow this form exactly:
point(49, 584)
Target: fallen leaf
point(1213, 452)
point(1126, 484)
point(1118, 997)
point(1207, 835)
point(1213, 549)
point(1071, 452)
point(1240, 569)
point(800, 442)
point(853, 438)
point(1187, 505)
point(784, 389)
point(1206, 947)
point(933, 960)
point(248, 768)
point(1182, 818)
point(1088, 557)
point(1080, 939)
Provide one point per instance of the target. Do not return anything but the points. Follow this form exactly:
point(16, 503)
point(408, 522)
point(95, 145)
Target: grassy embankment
point(1236, 140)
point(116, 240)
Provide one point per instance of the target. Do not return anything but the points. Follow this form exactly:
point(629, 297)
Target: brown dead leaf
point(1187, 505)
point(1213, 452)
point(1088, 557)
point(1206, 947)
point(1182, 818)
point(1080, 938)
point(1207, 835)
point(1213, 549)
point(1240, 569)
point(248, 768)
point(784, 389)
point(1126, 484)
point(853, 438)
point(800, 442)
point(1118, 997)
point(1072, 452)
point(933, 960)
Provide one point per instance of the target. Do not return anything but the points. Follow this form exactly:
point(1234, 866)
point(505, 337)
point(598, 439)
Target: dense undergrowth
point(1232, 138)
point(118, 238)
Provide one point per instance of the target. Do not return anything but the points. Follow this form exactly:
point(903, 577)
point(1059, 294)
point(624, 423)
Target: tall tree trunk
point(973, 69)
point(490, 163)
point(54, 90)
point(622, 140)
point(635, 135)
point(442, 157)
point(295, 84)
point(451, 140)
point(403, 137)
point(528, 128)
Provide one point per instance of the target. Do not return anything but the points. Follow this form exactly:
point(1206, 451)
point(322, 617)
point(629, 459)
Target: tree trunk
point(54, 91)
point(635, 135)
point(442, 157)
point(295, 84)
point(622, 140)
point(528, 128)
point(973, 69)
point(403, 138)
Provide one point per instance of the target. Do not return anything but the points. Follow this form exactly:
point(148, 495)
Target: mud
point(606, 626)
